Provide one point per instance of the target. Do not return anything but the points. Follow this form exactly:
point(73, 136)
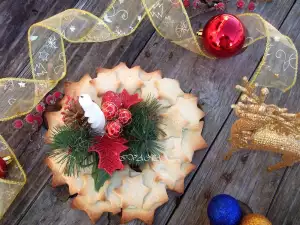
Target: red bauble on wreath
point(124, 116)
point(114, 129)
point(223, 35)
point(110, 110)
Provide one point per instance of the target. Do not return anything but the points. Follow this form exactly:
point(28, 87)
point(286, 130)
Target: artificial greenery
point(70, 146)
point(99, 176)
point(143, 132)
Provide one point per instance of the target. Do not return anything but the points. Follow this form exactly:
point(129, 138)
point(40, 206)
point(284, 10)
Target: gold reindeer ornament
point(264, 127)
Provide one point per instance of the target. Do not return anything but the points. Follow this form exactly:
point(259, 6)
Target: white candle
point(93, 112)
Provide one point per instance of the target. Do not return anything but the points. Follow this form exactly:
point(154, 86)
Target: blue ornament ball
point(224, 210)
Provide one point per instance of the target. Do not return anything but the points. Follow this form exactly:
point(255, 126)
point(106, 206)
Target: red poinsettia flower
point(128, 99)
point(109, 151)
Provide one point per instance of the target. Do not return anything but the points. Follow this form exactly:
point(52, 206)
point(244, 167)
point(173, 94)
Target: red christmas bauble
point(110, 110)
point(3, 168)
point(113, 129)
point(113, 97)
point(223, 35)
point(124, 116)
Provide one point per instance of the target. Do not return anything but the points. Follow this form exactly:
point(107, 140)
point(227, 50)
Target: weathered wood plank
point(284, 209)
point(167, 60)
point(212, 81)
point(31, 152)
point(16, 18)
point(245, 176)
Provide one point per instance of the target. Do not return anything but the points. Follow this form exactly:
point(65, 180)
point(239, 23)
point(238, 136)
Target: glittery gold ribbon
point(18, 96)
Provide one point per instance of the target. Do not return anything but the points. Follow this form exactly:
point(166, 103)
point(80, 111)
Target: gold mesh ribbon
point(15, 180)
point(19, 96)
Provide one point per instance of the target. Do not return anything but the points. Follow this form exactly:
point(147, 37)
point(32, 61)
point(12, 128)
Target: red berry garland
point(110, 110)
point(114, 129)
point(124, 116)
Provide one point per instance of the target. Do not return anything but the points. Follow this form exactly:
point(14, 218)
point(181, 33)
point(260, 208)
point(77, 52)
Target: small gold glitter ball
point(255, 219)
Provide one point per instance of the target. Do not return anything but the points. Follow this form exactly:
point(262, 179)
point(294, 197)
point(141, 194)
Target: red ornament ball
point(3, 168)
point(113, 97)
point(124, 116)
point(223, 35)
point(110, 110)
point(114, 129)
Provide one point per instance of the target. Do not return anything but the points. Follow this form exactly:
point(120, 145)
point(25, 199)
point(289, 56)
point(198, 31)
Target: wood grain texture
point(213, 82)
point(28, 144)
point(16, 18)
point(284, 209)
point(245, 176)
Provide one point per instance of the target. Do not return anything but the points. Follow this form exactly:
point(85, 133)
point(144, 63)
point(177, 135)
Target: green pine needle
point(70, 146)
point(143, 132)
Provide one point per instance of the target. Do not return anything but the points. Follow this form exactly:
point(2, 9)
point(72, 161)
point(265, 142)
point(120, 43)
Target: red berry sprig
point(36, 117)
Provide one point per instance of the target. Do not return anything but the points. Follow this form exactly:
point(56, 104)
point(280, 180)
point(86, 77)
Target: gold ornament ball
point(255, 219)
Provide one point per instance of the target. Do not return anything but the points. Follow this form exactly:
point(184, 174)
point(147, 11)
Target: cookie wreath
point(120, 188)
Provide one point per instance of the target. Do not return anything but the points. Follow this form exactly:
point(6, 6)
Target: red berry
point(3, 168)
point(124, 116)
point(186, 3)
point(114, 129)
point(39, 120)
point(29, 118)
point(251, 6)
point(50, 100)
point(240, 4)
point(40, 108)
point(113, 97)
point(110, 110)
point(18, 124)
point(58, 95)
point(220, 6)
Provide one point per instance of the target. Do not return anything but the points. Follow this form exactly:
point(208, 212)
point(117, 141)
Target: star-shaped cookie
point(84, 86)
point(149, 87)
point(129, 197)
point(169, 89)
point(129, 78)
point(176, 152)
point(157, 195)
point(192, 140)
point(187, 105)
point(106, 80)
point(173, 123)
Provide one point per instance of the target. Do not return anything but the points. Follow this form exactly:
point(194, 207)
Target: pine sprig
point(143, 132)
point(70, 146)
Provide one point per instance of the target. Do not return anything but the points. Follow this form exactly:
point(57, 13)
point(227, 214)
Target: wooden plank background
point(274, 194)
